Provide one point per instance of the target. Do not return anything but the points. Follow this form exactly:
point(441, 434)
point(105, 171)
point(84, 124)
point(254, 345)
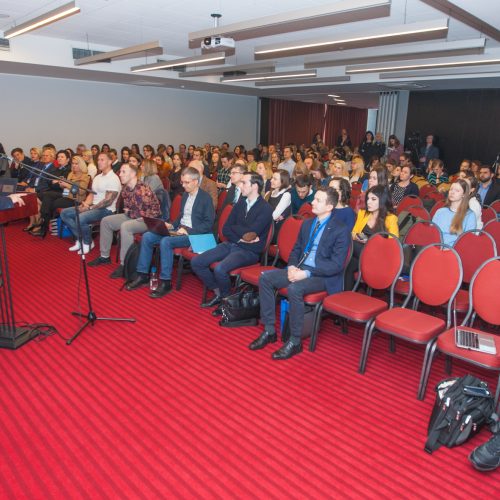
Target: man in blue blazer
point(196, 217)
point(246, 230)
point(315, 264)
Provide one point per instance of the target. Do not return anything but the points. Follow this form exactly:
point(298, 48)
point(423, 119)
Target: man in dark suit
point(246, 230)
point(196, 217)
point(315, 264)
point(428, 152)
point(489, 189)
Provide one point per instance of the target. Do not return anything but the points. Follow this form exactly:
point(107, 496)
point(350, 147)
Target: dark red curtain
point(293, 121)
point(352, 119)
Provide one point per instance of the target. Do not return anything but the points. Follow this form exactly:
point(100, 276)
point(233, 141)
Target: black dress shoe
point(287, 351)
point(217, 311)
point(164, 287)
point(117, 273)
point(264, 339)
point(141, 280)
point(215, 301)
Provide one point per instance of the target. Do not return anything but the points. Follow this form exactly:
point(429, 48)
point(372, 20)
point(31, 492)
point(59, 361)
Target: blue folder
point(202, 242)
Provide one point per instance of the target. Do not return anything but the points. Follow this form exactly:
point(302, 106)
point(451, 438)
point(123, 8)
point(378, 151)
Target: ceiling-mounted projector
point(217, 43)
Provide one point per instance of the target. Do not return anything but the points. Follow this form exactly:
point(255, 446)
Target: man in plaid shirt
point(138, 201)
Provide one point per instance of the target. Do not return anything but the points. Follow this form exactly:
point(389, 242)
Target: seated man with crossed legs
point(315, 264)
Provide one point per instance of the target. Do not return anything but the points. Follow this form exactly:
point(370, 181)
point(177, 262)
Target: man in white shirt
point(106, 186)
point(287, 164)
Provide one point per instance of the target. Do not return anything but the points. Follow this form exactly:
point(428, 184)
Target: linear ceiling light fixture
point(270, 76)
point(148, 49)
point(396, 52)
point(411, 32)
point(219, 70)
point(423, 65)
point(341, 12)
point(186, 61)
point(49, 17)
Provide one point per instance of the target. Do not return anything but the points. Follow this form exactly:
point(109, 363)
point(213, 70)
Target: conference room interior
point(173, 404)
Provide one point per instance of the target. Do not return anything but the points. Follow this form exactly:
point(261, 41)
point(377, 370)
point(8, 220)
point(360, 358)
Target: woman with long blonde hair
point(455, 217)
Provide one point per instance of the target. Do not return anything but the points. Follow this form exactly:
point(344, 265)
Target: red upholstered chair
point(360, 307)
point(305, 211)
point(484, 301)
point(488, 214)
point(419, 211)
point(436, 196)
point(408, 201)
point(186, 253)
point(439, 204)
point(175, 208)
point(496, 206)
point(435, 277)
point(420, 235)
point(220, 200)
point(425, 190)
point(286, 241)
point(166, 183)
point(474, 248)
point(493, 228)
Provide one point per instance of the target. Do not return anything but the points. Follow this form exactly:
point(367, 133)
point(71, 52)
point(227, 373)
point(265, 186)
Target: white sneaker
point(75, 247)
point(86, 248)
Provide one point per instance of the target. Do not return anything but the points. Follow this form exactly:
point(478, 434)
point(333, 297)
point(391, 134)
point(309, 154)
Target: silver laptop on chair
point(474, 341)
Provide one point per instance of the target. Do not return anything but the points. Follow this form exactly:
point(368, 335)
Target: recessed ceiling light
point(201, 60)
point(333, 95)
point(270, 76)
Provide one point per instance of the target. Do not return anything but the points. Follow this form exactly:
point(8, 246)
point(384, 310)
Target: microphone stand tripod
point(91, 316)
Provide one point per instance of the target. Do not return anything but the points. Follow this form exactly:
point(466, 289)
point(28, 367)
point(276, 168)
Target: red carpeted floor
point(175, 406)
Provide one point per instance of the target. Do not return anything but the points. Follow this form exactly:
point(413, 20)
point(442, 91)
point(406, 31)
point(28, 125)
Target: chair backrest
point(474, 247)
point(380, 248)
point(287, 236)
point(439, 204)
point(306, 211)
point(220, 200)
point(423, 234)
point(496, 206)
point(164, 199)
point(436, 196)
point(222, 220)
point(175, 207)
point(493, 228)
point(269, 239)
point(488, 214)
point(419, 211)
point(408, 201)
point(435, 276)
point(483, 292)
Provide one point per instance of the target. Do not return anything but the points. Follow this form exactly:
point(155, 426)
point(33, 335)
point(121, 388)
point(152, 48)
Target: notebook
point(202, 242)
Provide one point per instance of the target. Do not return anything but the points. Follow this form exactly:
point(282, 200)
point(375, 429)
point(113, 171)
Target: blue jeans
point(230, 256)
point(167, 245)
point(68, 216)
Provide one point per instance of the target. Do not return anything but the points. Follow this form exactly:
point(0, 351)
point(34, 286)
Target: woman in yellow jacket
point(377, 217)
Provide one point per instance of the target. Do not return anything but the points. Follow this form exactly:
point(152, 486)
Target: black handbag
point(242, 308)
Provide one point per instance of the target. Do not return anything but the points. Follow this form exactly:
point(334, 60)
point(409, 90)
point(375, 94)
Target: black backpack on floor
point(459, 413)
point(130, 262)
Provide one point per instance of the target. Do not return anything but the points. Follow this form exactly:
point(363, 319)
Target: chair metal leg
point(497, 396)
point(448, 364)
point(430, 348)
point(204, 294)
point(343, 326)
point(180, 267)
point(392, 343)
point(367, 338)
point(316, 324)
point(118, 247)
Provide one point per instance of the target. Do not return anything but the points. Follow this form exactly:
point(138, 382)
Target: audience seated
point(316, 264)
point(266, 172)
point(139, 201)
point(53, 199)
point(279, 199)
point(301, 192)
point(403, 187)
point(343, 212)
point(246, 230)
point(196, 217)
point(206, 184)
point(377, 217)
point(175, 176)
point(455, 217)
point(474, 199)
point(438, 174)
point(106, 186)
point(489, 188)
